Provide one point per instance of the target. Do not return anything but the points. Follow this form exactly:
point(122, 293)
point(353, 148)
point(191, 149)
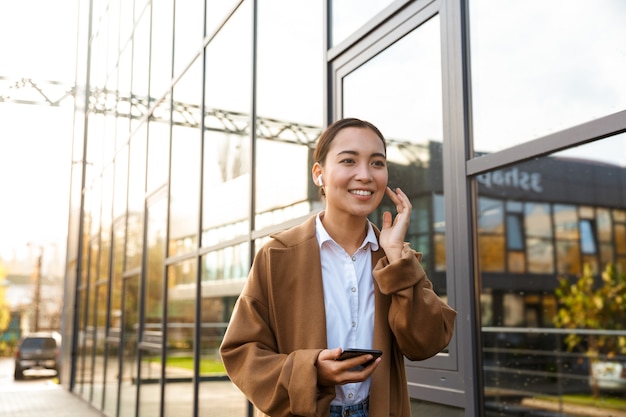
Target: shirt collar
point(323, 236)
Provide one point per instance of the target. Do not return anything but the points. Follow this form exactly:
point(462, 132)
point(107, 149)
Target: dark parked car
point(37, 351)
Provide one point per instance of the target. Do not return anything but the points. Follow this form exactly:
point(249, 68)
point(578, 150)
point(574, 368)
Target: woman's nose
point(364, 173)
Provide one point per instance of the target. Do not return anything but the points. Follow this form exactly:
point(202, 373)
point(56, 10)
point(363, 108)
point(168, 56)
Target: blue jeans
point(356, 410)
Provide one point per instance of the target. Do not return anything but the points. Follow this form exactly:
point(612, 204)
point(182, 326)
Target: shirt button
point(353, 289)
point(350, 395)
point(353, 324)
point(354, 259)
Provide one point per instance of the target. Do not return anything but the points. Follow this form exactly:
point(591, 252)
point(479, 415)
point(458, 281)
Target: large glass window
point(129, 321)
point(151, 338)
point(348, 16)
point(179, 362)
point(114, 345)
point(159, 146)
point(568, 235)
point(535, 70)
point(399, 90)
point(288, 72)
point(161, 52)
point(226, 159)
point(185, 163)
point(223, 276)
point(141, 63)
point(189, 31)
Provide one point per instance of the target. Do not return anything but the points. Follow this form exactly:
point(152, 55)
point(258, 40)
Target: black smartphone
point(351, 353)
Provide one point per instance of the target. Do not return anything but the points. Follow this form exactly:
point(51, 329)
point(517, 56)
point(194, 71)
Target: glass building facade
point(194, 127)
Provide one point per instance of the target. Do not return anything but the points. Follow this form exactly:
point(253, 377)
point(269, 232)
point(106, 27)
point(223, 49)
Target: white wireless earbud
point(319, 180)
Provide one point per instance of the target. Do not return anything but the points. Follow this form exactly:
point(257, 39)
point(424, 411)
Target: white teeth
point(361, 192)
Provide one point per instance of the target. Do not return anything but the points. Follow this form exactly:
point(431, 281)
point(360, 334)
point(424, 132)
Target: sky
point(39, 43)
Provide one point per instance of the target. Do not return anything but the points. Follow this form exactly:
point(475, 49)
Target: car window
point(39, 343)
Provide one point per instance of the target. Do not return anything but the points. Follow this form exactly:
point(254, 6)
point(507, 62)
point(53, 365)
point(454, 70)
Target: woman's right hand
point(331, 372)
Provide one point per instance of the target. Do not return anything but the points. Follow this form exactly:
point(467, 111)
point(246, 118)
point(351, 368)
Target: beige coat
point(278, 328)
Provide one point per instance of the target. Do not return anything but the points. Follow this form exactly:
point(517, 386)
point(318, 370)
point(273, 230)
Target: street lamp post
point(38, 288)
point(37, 279)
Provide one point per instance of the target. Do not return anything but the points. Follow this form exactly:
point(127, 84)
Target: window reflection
point(284, 141)
point(179, 365)
point(226, 158)
point(406, 77)
point(128, 344)
point(563, 222)
point(551, 74)
point(348, 16)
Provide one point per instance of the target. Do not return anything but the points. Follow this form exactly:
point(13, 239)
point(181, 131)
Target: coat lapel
point(297, 290)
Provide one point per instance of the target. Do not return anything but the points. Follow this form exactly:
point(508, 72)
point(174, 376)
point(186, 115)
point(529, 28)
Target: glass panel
point(516, 262)
point(226, 139)
point(537, 221)
point(558, 75)
point(113, 338)
point(348, 16)
point(587, 238)
point(399, 90)
point(542, 344)
point(514, 233)
point(216, 12)
point(620, 239)
point(565, 222)
point(80, 354)
point(99, 354)
point(179, 365)
point(158, 146)
point(490, 216)
point(293, 77)
point(126, 20)
point(223, 275)
point(136, 199)
point(141, 65)
point(188, 27)
point(284, 141)
point(491, 241)
point(89, 320)
point(568, 257)
point(121, 180)
point(152, 336)
point(603, 223)
point(155, 253)
point(130, 338)
point(185, 164)
point(161, 47)
point(137, 175)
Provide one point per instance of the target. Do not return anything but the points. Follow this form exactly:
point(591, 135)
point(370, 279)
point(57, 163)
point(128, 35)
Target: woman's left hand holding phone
point(331, 372)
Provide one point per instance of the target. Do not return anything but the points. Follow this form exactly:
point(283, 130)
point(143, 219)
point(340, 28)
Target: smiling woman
point(366, 284)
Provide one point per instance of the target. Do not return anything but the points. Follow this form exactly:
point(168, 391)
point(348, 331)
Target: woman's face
point(354, 173)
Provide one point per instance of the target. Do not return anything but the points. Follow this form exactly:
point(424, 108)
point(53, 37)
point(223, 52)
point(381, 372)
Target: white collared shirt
point(349, 301)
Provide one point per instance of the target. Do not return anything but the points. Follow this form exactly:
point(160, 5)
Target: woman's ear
point(317, 174)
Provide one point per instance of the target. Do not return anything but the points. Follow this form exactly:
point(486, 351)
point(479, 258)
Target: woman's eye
point(379, 163)
point(347, 161)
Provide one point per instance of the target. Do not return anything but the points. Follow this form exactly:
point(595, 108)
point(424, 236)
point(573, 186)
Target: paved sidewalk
point(51, 400)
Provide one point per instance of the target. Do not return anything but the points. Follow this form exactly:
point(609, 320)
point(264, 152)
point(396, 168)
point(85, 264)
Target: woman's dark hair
point(325, 139)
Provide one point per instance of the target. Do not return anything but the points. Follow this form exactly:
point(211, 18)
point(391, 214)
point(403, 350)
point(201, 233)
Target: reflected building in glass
point(194, 130)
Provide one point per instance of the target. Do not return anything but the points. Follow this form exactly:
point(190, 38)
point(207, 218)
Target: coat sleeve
point(421, 322)
point(277, 383)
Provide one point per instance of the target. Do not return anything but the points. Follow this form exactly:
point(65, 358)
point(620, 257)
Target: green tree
point(585, 305)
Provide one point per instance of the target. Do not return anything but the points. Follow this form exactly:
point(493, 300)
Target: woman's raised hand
point(393, 232)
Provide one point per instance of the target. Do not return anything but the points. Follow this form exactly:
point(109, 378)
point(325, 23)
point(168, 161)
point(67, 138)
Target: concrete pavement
point(49, 400)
